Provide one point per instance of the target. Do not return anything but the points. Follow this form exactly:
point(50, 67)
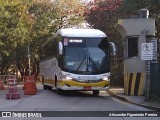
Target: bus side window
point(54, 63)
point(60, 61)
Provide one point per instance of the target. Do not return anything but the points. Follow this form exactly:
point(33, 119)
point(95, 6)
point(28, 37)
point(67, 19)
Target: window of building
point(131, 47)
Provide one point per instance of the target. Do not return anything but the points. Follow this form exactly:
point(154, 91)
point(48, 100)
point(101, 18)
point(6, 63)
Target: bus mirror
point(112, 46)
point(60, 48)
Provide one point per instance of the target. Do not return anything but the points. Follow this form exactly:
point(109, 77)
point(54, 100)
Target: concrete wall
point(134, 65)
point(129, 27)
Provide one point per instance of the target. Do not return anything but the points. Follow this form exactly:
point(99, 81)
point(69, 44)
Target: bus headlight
point(65, 77)
point(106, 79)
point(69, 78)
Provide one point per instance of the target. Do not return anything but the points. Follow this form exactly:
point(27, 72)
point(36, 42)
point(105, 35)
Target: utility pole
point(29, 61)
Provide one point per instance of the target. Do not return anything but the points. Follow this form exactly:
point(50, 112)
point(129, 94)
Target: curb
point(126, 100)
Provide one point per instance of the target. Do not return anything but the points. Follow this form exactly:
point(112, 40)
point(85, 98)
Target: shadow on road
point(78, 94)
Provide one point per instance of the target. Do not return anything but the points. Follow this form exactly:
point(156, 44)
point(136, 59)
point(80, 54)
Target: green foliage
point(49, 17)
point(117, 74)
point(15, 31)
point(31, 22)
point(43, 13)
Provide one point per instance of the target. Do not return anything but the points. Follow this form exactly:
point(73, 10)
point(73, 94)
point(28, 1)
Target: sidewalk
point(138, 100)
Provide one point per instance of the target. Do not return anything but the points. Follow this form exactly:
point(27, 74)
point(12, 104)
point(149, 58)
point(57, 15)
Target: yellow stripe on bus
point(74, 83)
point(49, 81)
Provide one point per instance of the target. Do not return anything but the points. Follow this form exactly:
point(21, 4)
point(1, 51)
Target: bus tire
point(45, 87)
point(55, 81)
point(96, 92)
point(59, 91)
point(49, 87)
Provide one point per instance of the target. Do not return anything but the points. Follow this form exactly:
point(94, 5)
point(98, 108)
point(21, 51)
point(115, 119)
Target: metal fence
point(155, 78)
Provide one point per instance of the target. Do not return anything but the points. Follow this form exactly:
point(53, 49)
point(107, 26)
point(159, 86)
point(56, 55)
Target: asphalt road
point(46, 100)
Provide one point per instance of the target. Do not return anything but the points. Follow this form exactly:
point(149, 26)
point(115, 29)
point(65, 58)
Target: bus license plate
point(87, 88)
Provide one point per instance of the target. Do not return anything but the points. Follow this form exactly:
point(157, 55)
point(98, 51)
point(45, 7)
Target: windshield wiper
point(81, 63)
point(84, 57)
point(95, 65)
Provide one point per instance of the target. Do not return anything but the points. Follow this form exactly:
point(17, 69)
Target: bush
point(117, 76)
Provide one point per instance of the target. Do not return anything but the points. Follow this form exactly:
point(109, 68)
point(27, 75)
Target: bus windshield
point(86, 55)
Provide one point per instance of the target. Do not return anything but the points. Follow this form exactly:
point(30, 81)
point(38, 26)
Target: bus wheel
point(45, 87)
point(59, 91)
point(96, 92)
point(49, 88)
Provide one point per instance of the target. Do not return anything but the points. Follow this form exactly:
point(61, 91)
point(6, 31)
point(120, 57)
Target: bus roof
point(72, 32)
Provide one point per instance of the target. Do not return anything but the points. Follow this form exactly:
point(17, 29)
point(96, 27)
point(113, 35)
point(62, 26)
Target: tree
point(49, 17)
point(15, 28)
point(69, 13)
point(103, 15)
point(32, 22)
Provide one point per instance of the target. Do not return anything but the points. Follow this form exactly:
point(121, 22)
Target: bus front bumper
point(73, 85)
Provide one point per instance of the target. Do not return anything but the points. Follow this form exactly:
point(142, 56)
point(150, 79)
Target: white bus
point(79, 59)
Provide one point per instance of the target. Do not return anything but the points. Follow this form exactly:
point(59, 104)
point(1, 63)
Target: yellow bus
point(78, 59)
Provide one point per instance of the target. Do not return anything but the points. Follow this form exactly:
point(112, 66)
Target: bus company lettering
point(87, 77)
